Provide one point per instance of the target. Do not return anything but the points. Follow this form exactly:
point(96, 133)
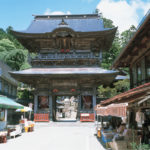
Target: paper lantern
point(73, 90)
point(55, 90)
point(62, 50)
point(67, 50)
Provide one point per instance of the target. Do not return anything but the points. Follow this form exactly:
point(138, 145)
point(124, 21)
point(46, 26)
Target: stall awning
point(118, 110)
point(8, 103)
point(25, 109)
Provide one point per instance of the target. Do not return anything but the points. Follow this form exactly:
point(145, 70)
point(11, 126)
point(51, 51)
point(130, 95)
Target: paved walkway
point(56, 136)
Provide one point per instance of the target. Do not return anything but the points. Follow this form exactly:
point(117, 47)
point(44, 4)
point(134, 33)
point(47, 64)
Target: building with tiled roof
point(135, 56)
point(69, 54)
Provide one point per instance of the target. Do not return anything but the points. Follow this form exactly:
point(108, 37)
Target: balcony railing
point(59, 56)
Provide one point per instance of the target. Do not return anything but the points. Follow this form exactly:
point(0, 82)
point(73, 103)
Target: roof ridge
point(67, 16)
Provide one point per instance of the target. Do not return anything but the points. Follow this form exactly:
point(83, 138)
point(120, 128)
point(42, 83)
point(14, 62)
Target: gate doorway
point(66, 108)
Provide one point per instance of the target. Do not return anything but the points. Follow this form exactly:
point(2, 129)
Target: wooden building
point(8, 92)
point(69, 53)
point(136, 54)
point(8, 85)
point(133, 106)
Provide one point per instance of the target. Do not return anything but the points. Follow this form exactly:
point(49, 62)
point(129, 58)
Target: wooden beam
point(145, 39)
point(142, 45)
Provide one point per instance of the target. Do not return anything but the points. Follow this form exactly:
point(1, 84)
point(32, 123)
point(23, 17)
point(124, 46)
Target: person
point(121, 128)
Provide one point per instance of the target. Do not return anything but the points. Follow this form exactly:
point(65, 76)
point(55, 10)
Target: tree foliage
point(119, 42)
point(110, 55)
point(11, 51)
point(15, 59)
point(126, 35)
point(117, 88)
point(106, 92)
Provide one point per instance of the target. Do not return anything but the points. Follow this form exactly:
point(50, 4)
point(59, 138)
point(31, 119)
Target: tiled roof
point(8, 103)
point(65, 71)
point(120, 77)
point(4, 69)
point(81, 25)
point(138, 90)
point(78, 23)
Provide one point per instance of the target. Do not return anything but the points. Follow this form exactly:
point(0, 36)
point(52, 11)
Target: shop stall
point(129, 121)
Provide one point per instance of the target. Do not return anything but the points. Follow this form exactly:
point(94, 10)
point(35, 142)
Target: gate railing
point(41, 117)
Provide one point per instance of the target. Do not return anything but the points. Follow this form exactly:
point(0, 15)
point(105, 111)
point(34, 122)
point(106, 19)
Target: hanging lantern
point(55, 90)
point(67, 50)
point(73, 90)
point(62, 50)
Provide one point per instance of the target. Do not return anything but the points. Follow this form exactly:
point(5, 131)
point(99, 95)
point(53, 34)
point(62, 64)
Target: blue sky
point(18, 13)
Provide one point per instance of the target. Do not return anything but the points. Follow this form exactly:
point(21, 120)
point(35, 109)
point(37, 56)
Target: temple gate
point(68, 58)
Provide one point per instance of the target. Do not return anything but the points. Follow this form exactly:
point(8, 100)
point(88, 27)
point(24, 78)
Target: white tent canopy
point(25, 109)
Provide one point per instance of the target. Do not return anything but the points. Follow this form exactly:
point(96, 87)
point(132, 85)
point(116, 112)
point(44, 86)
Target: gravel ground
point(56, 136)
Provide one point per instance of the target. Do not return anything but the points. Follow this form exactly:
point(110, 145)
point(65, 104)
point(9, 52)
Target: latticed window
point(139, 73)
point(11, 89)
point(6, 87)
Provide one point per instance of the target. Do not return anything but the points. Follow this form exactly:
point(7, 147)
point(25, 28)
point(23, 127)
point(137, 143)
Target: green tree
point(3, 34)
point(6, 45)
point(106, 92)
point(11, 51)
point(15, 59)
point(127, 35)
point(117, 88)
point(110, 55)
point(16, 43)
point(122, 85)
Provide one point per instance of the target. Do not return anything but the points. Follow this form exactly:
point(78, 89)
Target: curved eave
point(110, 31)
point(58, 73)
point(127, 48)
point(107, 34)
point(63, 71)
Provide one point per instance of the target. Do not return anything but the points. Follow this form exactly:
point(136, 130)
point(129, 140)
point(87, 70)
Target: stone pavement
point(56, 136)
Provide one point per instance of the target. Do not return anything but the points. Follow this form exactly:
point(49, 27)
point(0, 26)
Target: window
point(11, 89)
point(139, 73)
point(6, 87)
point(14, 91)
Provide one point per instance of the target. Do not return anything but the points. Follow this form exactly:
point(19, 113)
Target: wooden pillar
point(51, 107)
point(143, 70)
point(79, 107)
point(35, 103)
point(131, 78)
point(134, 75)
point(100, 56)
point(94, 99)
point(5, 115)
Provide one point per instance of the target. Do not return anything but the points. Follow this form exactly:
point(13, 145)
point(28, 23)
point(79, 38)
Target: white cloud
point(122, 13)
point(49, 12)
